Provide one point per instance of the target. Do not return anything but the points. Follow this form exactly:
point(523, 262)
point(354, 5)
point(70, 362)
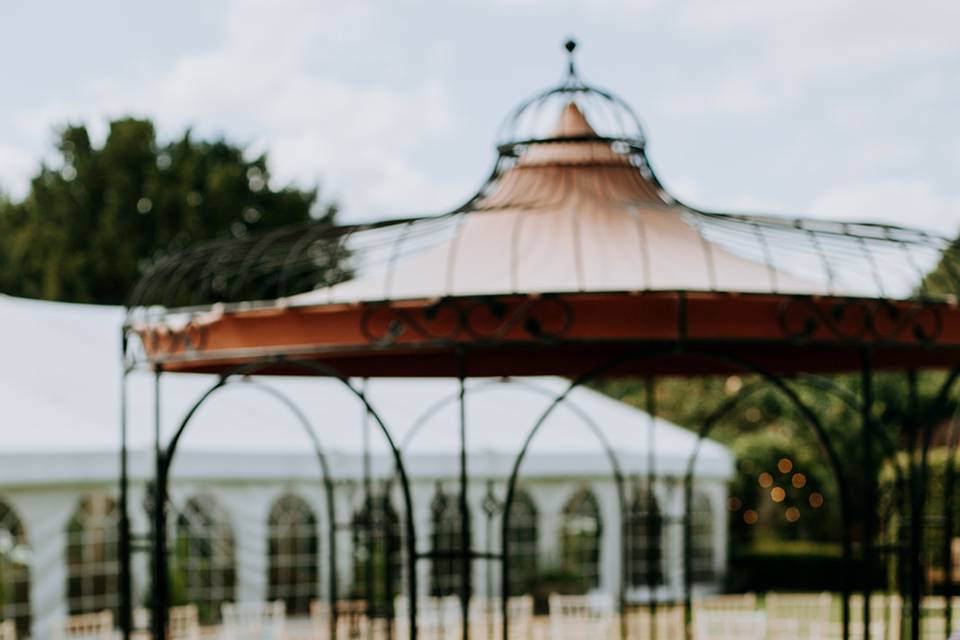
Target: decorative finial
point(571, 45)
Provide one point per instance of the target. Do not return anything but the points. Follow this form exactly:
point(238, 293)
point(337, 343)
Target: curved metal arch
point(813, 422)
point(166, 456)
point(725, 358)
point(619, 481)
point(520, 383)
point(919, 475)
point(948, 495)
point(435, 408)
point(328, 486)
point(558, 399)
point(850, 399)
point(589, 422)
point(913, 490)
point(705, 427)
point(311, 434)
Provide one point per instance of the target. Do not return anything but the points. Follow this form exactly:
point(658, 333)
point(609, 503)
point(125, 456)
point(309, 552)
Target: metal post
point(653, 534)
point(331, 548)
point(160, 578)
point(916, 505)
point(388, 542)
point(687, 555)
point(948, 501)
point(465, 543)
point(368, 515)
point(489, 504)
point(866, 392)
point(126, 595)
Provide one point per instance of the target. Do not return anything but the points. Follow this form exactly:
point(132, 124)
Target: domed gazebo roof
point(571, 252)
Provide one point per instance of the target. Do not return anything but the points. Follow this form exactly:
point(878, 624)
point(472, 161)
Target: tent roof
point(60, 383)
point(568, 217)
point(569, 255)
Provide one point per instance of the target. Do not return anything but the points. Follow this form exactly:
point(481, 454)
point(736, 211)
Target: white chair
point(885, 616)
point(352, 619)
point(581, 617)
point(802, 613)
point(726, 602)
point(438, 618)
point(486, 617)
point(717, 624)
point(668, 622)
point(401, 617)
point(254, 620)
point(183, 623)
point(86, 626)
point(141, 624)
point(8, 630)
point(934, 621)
point(320, 619)
point(834, 630)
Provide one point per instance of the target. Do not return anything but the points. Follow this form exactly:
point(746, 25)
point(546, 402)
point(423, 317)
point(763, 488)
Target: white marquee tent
point(60, 380)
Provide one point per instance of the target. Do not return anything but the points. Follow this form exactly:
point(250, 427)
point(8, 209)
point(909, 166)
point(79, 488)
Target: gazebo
point(573, 260)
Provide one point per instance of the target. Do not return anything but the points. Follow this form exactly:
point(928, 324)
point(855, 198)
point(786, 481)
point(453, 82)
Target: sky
point(839, 108)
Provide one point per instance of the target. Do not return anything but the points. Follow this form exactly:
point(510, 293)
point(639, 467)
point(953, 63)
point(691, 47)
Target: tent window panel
point(644, 541)
point(523, 536)
point(93, 566)
point(293, 554)
point(446, 572)
point(580, 540)
point(377, 562)
point(203, 572)
point(701, 538)
point(14, 571)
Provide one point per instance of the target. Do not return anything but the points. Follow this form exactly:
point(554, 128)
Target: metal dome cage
point(570, 141)
point(573, 260)
point(535, 119)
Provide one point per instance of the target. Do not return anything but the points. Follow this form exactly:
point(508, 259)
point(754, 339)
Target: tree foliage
point(765, 427)
point(96, 218)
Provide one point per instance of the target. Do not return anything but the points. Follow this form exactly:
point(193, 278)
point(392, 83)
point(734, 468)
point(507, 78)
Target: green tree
point(96, 218)
point(944, 279)
point(765, 428)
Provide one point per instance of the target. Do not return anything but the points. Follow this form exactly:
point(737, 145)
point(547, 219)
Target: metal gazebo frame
point(298, 301)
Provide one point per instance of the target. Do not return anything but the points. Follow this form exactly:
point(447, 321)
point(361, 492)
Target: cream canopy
point(568, 217)
point(574, 241)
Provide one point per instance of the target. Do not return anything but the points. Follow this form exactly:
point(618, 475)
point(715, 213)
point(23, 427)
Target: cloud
point(275, 80)
point(603, 7)
point(13, 160)
point(774, 51)
point(382, 105)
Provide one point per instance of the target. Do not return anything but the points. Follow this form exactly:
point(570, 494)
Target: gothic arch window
point(523, 536)
point(580, 533)
point(93, 566)
point(701, 538)
point(292, 554)
point(446, 570)
point(14, 571)
point(377, 563)
point(644, 540)
point(204, 571)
